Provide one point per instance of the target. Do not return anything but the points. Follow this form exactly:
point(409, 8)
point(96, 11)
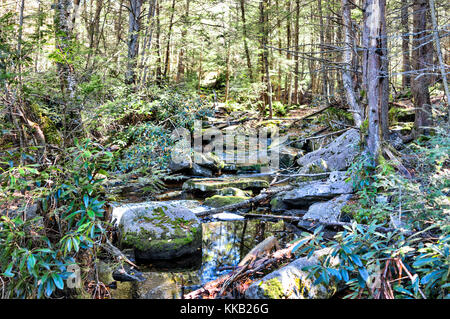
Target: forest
point(234, 149)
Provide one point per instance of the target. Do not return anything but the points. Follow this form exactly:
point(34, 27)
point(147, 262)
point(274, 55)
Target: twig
point(116, 252)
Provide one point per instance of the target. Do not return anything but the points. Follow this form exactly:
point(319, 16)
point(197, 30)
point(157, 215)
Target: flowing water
point(224, 244)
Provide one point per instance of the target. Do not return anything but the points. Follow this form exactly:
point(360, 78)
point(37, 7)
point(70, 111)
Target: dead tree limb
point(113, 250)
point(264, 195)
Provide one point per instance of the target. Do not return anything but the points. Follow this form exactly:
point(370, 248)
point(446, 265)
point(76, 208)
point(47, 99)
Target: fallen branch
point(213, 288)
point(264, 195)
point(267, 216)
point(379, 229)
point(113, 250)
point(295, 119)
point(401, 168)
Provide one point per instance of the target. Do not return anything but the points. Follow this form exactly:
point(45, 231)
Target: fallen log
point(295, 119)
point(396, 162)
point(380, 229)
point(214, 289)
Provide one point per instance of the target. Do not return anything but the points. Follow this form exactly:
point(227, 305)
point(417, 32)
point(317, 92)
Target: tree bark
point(406, 77)
point(133, 40)
point(347, 79)
point(169, 35)
point(148, 40)
point(296, 41)
point(421, 62)
point(384, 86)
point(158, 44)
point(265, 54)
point(244, 32)
point(373, 23)
point(64, 23)
point(437, 42)
point(180, 72)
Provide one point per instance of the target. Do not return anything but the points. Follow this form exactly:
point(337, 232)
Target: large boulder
point(181, 158)
point(184, 159)
point(292, 282)
point(308, 193)
point(159, 230)
point(336, 156)
point(288, 156)
point(328, 212)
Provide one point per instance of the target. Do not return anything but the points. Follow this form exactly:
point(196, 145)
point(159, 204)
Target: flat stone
point(328, 212)
point(292, 282)
point(336, 156)
point(217, 201)
point(214, 184)
point(307, 193)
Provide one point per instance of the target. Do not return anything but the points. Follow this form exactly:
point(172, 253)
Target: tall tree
point(64, 20)
point(133, 39)
point(264, 24)
point(373, 25)
point(437, 42)
point(169, 35)
point(245, 36)
point(181, 56)
point(406, 77)
point(347, 69)
point(422, 59)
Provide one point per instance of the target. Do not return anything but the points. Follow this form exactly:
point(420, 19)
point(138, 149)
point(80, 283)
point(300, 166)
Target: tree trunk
point(373, 23)
point(288, 85)
point(158, 44)
point(244, 31)
point(180, 72)
point(264, 18)
point(148, 40)
point(169, 35)
point(347, 79)
point(296, 41)
point(406, 77)
point(64, 24)
point(384, 86)
point(322, 47)
point(133, 40)
point(437, 42)
point(421, 61)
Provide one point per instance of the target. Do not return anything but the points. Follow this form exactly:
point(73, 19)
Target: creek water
point(224, 244)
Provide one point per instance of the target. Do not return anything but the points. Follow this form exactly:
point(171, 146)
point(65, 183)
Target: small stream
point(224, 244)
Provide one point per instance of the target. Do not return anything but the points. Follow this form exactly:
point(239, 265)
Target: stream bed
point(224, 244)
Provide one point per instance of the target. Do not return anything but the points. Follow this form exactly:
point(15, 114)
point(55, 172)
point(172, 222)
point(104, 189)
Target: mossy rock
point(217, 201)
point(294, 281)
point(213, 184)
point(397, 114)
point(233, 191)
point(158, 230)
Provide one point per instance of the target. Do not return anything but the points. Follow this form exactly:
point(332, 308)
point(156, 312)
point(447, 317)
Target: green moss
point(273, 288)
point(397, 114)
point(301, 287)
point(212, 185)
point(316, 168)
point(220, 201)
point(233, 191)
point(364, 129)
point(149, 241)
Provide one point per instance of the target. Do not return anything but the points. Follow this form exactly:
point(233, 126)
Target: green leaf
point(59, 283)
